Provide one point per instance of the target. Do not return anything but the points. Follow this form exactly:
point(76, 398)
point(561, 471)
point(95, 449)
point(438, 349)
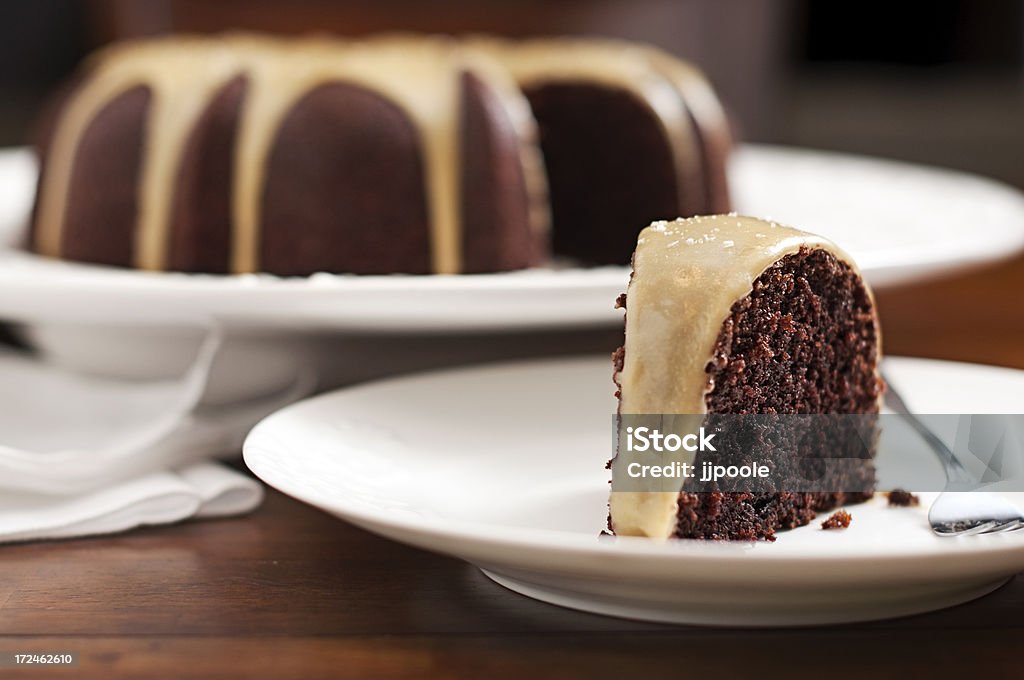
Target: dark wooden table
point(289, 592)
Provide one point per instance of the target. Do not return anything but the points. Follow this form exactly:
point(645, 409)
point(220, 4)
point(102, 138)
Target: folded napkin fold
point(198, 490)
point(83, 455)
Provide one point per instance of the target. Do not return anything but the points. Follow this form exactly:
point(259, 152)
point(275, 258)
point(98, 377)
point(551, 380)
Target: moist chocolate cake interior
point(604, 171)
point(803, 341)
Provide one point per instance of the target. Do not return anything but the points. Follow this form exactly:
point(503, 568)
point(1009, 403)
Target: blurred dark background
point(940, 82)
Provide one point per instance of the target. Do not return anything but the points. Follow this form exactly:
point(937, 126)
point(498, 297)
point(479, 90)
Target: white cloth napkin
point(82, 455)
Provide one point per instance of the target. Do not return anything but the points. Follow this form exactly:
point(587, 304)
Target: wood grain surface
point(289, 592)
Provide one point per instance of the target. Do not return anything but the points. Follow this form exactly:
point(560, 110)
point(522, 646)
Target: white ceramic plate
point(899, 221)
point(503, 466)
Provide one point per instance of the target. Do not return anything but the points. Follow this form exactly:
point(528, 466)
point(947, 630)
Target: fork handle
point(957, 477)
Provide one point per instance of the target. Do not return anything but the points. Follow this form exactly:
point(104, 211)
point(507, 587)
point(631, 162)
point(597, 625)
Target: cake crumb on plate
point(901, 498)
point(840, 519)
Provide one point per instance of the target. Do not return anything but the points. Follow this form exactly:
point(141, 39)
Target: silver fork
point(960, 510)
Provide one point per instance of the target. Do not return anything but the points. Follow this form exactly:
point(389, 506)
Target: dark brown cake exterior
point(100, 225)
point(200, 233)
point(242, 154)
point(335, 150)
point(803, 339)
point(293, 157)
point(496, 191)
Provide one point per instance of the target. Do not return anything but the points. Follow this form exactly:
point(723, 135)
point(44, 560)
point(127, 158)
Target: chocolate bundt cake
point(243, 154)
point(727, 316)
point(240, 153)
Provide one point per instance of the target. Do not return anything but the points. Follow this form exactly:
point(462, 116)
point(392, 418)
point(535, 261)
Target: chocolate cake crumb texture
point(803, 341)
point(901, 498)
point(840, 519)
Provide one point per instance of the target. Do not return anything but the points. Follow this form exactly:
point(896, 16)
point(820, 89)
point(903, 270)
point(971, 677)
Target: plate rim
point(243, 300)
point(576, 544)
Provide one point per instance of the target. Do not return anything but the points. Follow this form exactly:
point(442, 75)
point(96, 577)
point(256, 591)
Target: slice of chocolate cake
point(729, 315)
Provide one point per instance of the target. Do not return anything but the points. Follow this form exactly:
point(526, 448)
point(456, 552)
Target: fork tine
point(989, 527)
point(1004, 527)
point(979, 529)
